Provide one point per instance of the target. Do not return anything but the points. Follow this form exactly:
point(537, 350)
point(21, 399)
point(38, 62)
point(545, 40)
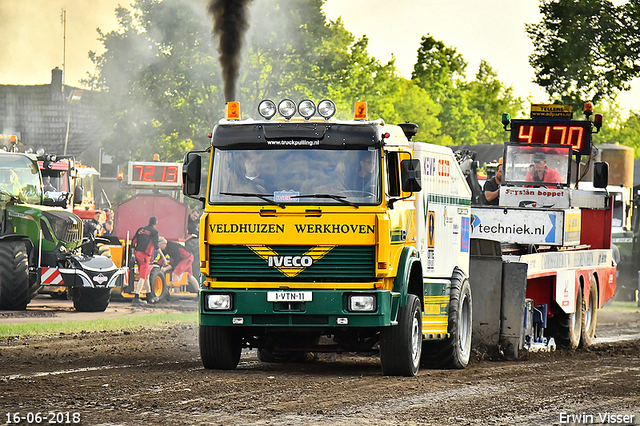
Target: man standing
point(492, 187)
point(145, 241)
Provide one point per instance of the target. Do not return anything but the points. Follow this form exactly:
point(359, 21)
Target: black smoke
point(229, 25)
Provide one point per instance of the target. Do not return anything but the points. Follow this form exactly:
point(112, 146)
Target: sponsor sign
point(524, 226)
point(557, 198)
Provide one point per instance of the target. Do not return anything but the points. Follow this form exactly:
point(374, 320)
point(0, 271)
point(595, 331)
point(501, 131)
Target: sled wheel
point(158, 284)
point(589, 316)
point(401, 344)
point(567, 327)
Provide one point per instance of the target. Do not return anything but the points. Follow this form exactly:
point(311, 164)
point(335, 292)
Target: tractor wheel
point(86, 299)
point(566, 328)
point(589, 316)
point(15, 288)
point(455, 351)
point(220, 347)
point(158, 284)
point(401, 345)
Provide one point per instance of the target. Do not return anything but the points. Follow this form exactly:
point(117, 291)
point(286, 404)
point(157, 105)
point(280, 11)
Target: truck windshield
point(303, 176)
point(20, 177)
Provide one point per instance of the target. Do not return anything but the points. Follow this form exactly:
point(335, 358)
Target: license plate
point(289, 296)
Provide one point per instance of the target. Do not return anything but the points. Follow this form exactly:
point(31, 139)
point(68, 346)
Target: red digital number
point(528, 137)
point(148, 174)
point(140, 167)
point(552, 135)
point(171, 173)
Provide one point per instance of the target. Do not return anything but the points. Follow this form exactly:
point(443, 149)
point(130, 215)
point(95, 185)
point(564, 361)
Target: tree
point(585, 49)
point(469, 112)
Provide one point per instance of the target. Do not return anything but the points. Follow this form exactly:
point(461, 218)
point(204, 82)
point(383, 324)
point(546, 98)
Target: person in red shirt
point(180, 261)
point(541, 172)
point(145, 241)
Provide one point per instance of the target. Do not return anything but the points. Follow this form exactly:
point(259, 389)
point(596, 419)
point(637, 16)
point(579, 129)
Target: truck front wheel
point(86, 299)
point(15, 291)
point(401, 345)
point(220, 347)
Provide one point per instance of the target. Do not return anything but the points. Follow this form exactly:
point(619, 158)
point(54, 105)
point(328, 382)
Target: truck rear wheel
point(455, 351)
point(220, 347)
point(566, 328)
point(15, 288)
point(86, 299)
point(401, 345)
point(589, 316)
point(158, 284)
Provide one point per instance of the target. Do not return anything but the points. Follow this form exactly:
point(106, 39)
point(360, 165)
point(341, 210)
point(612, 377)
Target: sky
point(491, 30)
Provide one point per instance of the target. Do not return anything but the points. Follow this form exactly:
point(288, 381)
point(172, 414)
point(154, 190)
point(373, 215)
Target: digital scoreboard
point(155, 174)
point(554, 132)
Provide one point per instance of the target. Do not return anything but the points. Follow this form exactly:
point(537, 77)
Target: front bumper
point(329, 308)
point(92, 272)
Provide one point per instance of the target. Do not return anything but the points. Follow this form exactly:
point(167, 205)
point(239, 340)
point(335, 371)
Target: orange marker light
point(232, 110)
point(120, 175)
point(361, 111)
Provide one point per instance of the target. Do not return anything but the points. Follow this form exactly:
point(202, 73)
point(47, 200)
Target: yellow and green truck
point(322, 235)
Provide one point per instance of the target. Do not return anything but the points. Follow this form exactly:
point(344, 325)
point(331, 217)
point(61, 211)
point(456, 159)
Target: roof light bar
point(326, 109)
point(287, 108)
point(307, 108)
point(267, 109)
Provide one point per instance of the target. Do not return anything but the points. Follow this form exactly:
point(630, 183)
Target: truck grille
point(340, 264)
point(66, 226)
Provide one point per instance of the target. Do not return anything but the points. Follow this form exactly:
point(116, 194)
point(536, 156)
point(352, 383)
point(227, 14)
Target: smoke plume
point(229, 25)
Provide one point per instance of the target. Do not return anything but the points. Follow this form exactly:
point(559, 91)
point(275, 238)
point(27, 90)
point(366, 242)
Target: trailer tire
point(158, 286)
point(455, 351)
point(401, 345)
point(566, 328)
point(16, 290)
point(589, 316)
point(220, 347)
point(91, 299)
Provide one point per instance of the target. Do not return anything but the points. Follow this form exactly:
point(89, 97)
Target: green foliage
point(470, 111)
point(585, 49)
point(164, 89)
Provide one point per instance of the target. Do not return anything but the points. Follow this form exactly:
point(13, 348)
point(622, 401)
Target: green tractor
point(43, 245)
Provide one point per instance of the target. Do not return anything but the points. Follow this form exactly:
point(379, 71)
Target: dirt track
point(155, 377)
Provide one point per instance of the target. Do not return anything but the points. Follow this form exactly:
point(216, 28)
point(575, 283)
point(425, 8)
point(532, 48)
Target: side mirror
point(600, 174)
point(191, 170)
point(411, 175)
point(77, 195)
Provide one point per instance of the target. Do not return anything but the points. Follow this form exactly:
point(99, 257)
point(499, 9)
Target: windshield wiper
point(261, 196)
point(340, 198)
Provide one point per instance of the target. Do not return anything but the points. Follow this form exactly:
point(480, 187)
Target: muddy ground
point(154, 376)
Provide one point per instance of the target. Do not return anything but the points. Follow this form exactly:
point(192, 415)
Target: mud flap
point(485, 278)
point(499, 293)
point(514, 293)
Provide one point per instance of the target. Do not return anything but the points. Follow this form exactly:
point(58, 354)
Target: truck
point(41, 243)
point(325, 235)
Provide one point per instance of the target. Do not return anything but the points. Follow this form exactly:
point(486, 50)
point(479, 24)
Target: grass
point(618, 306)
point(131, 322)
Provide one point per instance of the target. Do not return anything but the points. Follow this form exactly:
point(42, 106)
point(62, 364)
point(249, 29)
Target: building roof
point(39, 115)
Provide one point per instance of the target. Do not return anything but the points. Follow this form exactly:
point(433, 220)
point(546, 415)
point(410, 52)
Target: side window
point(393, 174)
